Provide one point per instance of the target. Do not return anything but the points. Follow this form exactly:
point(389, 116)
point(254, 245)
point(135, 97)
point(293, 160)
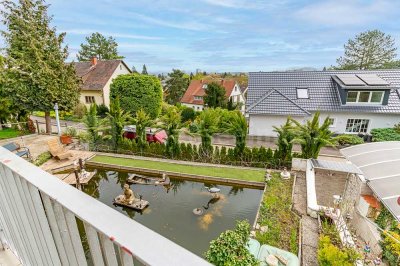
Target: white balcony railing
point(38, 221)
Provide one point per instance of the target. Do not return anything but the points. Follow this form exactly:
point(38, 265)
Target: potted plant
point(68, 134)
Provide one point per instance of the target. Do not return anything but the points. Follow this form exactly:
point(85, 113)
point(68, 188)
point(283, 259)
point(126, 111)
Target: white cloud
point(347, 12)
point(113, 34)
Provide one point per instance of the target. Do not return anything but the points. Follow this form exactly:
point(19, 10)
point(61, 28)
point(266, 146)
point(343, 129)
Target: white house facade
point(96, 77)
point(355, 101)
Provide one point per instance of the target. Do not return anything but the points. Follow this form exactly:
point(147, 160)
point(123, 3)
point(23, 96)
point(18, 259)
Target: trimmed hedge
point(251, 157)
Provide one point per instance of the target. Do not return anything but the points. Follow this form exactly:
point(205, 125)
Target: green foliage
point(276, 214)
point(172, 125)
point(92, 124)
point(71, 131)
point(36, 73)
point(102, 110)
point(385, 134)
point(80, 110)
point(236, 125)
point(142, 120)
point(230, 247)
point(42, 158)
point(176, 86)
point(331, 255)
point(372, 49)
point(284, 142)
point(347, 139)
point(188, 114)
point(98, 46)
point(215, 95)
point(397, 128)
point(116, 119)
point(312, 136)
point(138, 92)
point(8, 133)
point(390, 243)
point(207, 125)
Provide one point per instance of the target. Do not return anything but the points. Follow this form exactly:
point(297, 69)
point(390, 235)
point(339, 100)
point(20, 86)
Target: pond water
point(170, 212)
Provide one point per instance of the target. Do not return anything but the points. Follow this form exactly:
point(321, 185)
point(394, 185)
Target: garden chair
point(20, 151)
point(57, 150)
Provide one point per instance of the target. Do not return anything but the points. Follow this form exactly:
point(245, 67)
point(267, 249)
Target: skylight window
point(205, 86)
point(302, 93)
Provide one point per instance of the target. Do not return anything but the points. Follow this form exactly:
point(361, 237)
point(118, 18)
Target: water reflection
point(170, 212)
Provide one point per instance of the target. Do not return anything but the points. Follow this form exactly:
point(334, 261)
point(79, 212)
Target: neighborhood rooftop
point(278, 92)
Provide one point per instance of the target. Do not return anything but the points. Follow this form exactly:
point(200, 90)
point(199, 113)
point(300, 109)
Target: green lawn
point(9, 133)
point(234, 173)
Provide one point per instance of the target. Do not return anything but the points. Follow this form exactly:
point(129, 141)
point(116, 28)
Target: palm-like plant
point(285, 138)
point(92, 124)
point(142, 120)
point(312, 136)
point(116, 119)
point(171, 123)
point(236, 125)
point(207, 125)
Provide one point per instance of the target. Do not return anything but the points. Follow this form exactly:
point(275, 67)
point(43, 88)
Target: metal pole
point(57, 119)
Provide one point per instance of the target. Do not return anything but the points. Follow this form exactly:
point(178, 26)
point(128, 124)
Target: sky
point(225, 35)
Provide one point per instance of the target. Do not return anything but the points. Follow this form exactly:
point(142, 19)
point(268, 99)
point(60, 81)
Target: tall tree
point(98, 46)
point(37, 76)
point(312, 136)
point(372, 49)
point(176, 86)
point(144, 70)
point(215, 95)
point(172, 125)
point(92, 124)
point(236, 125)
point(207, 126)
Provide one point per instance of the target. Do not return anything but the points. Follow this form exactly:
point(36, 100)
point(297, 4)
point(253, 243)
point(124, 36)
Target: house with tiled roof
point(355, 101)
point(194, 94)
point(96, 77)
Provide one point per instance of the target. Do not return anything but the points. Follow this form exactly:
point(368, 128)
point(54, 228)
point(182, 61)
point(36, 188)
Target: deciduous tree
point(37, 76)
point(215, 95)
point(372, 49)
point(176, 86)
point(98, 46)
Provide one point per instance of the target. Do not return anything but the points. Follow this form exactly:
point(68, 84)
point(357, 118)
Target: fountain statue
point(128, 196)
point(285, 173)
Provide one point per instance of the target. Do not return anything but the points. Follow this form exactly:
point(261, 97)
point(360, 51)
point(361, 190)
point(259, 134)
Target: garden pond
point(170, 212)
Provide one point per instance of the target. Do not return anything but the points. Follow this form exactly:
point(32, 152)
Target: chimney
point(93, 61)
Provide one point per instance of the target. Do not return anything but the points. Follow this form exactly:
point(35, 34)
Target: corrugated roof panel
point(350, 80)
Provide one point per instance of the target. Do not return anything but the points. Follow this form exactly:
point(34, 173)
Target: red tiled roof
point(196, 89)
point(96, 77)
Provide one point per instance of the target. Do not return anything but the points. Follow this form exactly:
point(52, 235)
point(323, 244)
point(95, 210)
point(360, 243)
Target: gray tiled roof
point(275, 93)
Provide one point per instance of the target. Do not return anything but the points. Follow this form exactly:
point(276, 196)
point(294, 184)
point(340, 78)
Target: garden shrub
point(385, 134)
point(331, 255)
point(390, 247)
point(102, 110)
point(348, 139)
point(230, 247)
point(397, 128)
point(138, 92)
point(79, 110)
point(42, 158)
point(188, 114)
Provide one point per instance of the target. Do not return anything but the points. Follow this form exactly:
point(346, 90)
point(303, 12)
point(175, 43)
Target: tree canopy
point(215, 95)
point(372, 49)
point(176, 86)
point(98, 46)
point(36, 74)
point(137, 92)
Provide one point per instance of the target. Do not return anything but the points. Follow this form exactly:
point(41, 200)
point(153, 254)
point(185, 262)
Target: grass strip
point(8, 133)
point(233, 173)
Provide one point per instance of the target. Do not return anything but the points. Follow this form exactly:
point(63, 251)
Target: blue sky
point(225, 35)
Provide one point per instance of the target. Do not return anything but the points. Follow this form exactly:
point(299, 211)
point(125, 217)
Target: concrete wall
point(120, 70)
point(262, 125)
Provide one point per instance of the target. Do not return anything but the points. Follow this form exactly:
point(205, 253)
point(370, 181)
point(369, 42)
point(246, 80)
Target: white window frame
point(299, 96)
point(369, 98)
point(204, 86)
point(198, 98)
point(354, 124)
point(334, 122)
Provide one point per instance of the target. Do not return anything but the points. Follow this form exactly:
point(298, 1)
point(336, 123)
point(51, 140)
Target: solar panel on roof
point(372, 79)
point(350, 80)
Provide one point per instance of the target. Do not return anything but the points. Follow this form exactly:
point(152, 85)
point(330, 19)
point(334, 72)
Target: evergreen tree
point(372, 49)
point(215, 95)
point(98, 46)
point(176, 86)
point(144, 70)
point(134, 70)
point(116, 119)
point(92, 124)
point(37, 76)
point(172, 125)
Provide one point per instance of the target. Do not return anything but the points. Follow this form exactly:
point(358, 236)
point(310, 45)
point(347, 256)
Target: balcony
point(43, 222)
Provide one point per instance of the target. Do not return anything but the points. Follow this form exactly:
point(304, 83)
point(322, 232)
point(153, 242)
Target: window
point(357, 125)
point(205, 86)
point(199, 98)
point(331, 121)
point(302, 93)
point(365, 96)
point(90, 99)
